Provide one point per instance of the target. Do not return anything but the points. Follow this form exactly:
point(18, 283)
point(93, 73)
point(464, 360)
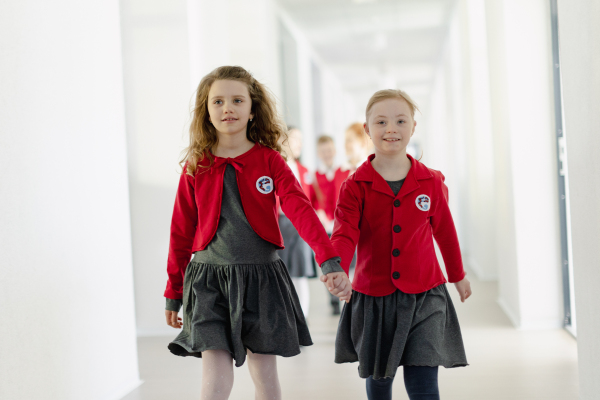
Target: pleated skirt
point(382, 333)
point(240, 307)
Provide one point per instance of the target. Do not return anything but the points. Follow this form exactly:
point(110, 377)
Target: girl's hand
point(173, 320)
point(464, 289)
point(338, 284)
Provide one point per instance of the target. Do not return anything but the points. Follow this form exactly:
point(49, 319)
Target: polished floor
point(505, 364)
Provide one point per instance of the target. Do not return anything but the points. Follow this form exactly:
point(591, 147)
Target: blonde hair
point(265, 128)
point(392, 94)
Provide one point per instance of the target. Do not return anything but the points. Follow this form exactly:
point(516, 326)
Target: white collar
point(328, 172)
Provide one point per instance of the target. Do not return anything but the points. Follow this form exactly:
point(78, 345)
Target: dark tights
point(421, 384)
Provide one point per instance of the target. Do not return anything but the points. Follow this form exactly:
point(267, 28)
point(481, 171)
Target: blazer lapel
point(416, 173)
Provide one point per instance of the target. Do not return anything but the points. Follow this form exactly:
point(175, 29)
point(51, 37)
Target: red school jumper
point(329, 190)
point(395, 233)
point(261, 174)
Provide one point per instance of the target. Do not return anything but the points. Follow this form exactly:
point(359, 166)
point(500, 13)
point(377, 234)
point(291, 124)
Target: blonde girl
point(400, 312)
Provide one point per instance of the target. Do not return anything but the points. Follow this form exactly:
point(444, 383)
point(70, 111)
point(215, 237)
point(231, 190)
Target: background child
point(236, 292)
point(400, 312)
point(326, 184)
point(358, 146)
point(297, 255)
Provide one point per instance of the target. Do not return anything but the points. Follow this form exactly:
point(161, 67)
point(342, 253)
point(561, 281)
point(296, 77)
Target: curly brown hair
point(266, 127)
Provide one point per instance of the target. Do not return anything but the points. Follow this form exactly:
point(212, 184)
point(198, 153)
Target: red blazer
point(395, 233)
point(329, 191)
point(261, 174)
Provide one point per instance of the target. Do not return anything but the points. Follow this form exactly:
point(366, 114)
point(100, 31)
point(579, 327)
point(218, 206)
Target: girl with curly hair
point(237, 296)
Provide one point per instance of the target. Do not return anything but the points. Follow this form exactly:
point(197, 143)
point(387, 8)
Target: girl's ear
point(366, 128)
point(413, 129)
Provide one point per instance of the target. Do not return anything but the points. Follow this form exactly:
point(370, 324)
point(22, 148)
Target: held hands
point(464, 289)
point(338, 284)
point(173, 320)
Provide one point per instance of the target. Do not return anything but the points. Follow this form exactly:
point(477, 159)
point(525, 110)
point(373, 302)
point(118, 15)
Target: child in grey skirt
point(237, 296)
point(399, 312)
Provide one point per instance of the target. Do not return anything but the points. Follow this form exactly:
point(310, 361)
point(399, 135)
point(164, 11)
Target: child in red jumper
point(297, 255)
point(327, 182)
point(325, 190)
point(237, 296)
point(400, 312)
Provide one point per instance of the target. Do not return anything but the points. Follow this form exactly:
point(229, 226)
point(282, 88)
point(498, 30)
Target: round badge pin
point(423, 202)
point(264, 184)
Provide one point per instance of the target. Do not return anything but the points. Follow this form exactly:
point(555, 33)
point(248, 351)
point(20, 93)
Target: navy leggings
point(421, 384)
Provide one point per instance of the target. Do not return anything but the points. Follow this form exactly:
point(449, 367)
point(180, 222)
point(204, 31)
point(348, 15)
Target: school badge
point(264, 184)
point(423, 202)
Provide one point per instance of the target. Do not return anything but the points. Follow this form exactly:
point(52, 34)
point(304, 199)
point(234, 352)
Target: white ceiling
point(376, 44)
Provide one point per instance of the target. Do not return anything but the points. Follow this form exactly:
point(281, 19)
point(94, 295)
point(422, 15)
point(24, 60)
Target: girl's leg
point(217, 375)
point(379, 389)
point(303, 291)
point(263, 370)
point(421, 383)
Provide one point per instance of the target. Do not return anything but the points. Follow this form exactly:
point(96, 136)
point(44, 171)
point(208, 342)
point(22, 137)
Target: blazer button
point(396, 275)
point(396, 203)
point(397, 228)
point(396, 252)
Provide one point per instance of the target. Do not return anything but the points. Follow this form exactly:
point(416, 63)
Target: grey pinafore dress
point(237, 293)
point(382, 333)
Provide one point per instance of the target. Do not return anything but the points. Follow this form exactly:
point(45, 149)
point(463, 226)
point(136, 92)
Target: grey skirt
point(382, 333)
point(239, 307)
point(297, 255)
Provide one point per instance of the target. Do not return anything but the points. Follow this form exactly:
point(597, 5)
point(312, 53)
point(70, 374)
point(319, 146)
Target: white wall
point(246, 37)
point(520, 47)
point(579, 36)
point(66, 287)
point(482, 254)
point(490, 130)
point(158, 97)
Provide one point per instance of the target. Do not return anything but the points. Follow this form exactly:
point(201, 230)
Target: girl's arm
point(299, 210)
point(444, 233)
point(183, 230)
point(346, 230)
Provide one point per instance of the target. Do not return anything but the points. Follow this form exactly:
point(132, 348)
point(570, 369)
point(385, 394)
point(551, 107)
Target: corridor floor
point(505, 363)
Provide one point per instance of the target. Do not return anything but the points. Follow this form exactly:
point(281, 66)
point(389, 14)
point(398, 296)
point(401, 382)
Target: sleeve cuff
point(173, 304)
point(332, 265)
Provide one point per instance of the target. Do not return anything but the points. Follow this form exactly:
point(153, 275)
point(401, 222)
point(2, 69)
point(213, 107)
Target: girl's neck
point(392, 167)
point(231, 146)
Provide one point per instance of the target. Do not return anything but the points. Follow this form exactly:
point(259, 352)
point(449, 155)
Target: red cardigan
point(395, 233)
point(329, 191)
point(261, 174)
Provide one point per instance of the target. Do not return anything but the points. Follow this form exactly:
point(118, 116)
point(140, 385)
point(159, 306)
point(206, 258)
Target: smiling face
point(390, 126)
point(229, 107)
